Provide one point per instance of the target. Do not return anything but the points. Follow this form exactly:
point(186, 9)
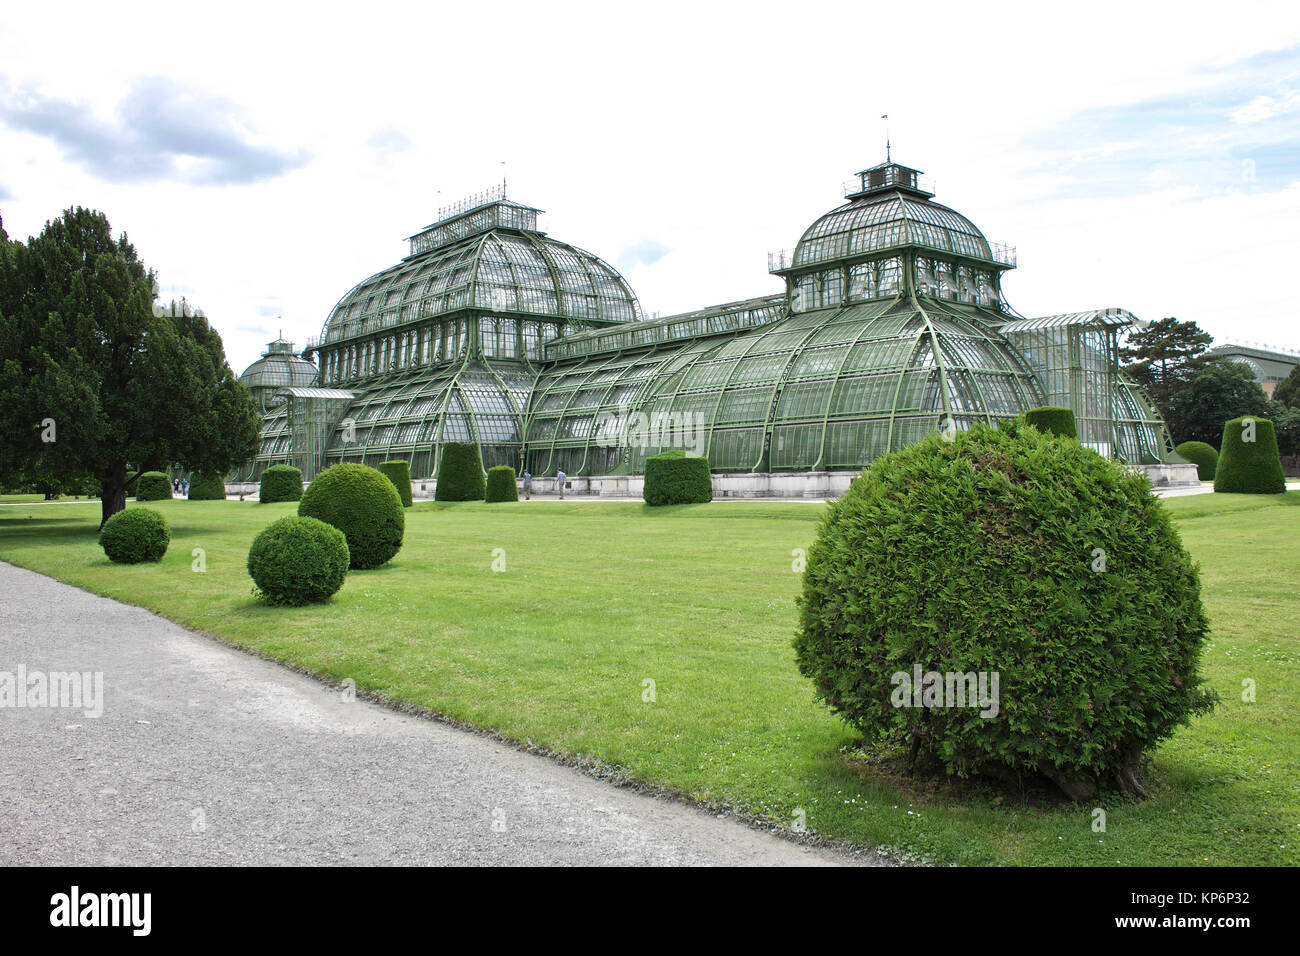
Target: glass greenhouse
point(892, 324)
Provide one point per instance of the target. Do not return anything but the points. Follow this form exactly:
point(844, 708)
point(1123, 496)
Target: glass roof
point(1100, 318)
point(501, 271)
point(832, 388)
point(887, 220)
point(729, 317)
point(473, 402)
point(278, 368)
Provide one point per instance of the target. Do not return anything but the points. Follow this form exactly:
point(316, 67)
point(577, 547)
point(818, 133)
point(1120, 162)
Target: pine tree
point(1163, 356)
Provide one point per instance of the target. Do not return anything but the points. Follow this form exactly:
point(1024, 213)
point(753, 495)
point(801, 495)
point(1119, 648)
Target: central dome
point(883, 221)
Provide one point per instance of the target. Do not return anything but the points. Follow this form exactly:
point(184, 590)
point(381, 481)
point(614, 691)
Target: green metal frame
point(862, 367)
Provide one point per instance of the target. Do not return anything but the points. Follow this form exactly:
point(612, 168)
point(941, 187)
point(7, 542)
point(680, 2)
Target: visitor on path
point(185, 487)
point(560, 477)
point(528, 485)
point(176, 486)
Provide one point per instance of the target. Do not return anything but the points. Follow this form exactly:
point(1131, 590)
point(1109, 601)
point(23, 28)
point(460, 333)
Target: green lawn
point(596, 599)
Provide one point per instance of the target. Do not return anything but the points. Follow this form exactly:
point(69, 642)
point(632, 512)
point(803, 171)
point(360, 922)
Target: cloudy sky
point(265, 157)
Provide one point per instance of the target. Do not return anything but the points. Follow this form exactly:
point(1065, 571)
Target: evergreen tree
point(1288, 390)
point(94, 382)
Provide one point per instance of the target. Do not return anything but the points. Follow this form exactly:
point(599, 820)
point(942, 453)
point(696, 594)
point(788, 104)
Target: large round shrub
point(501, 484)
point(135, 535)
point(1248, 458)
point(153, 486)
point(1203, 456)
point(460, 473)
point(364, 505)
point(280, 483)
point(1052, 419)
point(298, 560)
point(399, 473)
point(206, 486)
point(674, 478)
point(1016, 553)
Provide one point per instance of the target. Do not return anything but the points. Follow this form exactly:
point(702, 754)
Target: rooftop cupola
point(887, 176)
point(484, 212)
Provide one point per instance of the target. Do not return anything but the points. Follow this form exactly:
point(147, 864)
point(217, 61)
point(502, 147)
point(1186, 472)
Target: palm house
point(890, 323)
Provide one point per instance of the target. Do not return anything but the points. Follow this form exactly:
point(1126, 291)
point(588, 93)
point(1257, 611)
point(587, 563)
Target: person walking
point(528, 485)
point(560, 477)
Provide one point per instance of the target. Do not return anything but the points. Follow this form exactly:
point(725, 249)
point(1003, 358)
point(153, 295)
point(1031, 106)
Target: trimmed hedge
point(501, 485)
point(460, 473)
point(364, 505)
point(153, 486)
point(280, 483)
point(135, 535)
point(1249, 467)
point(298, 560)
point(674, 478)
point(399, 473)
point(1203, 456)
point(1052, 419)
point(205, 486)
point(981, 556)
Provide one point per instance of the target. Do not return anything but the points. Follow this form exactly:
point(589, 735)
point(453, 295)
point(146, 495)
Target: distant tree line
point(1197, 392)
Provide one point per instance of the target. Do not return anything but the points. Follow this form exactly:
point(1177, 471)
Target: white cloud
point(1263, 108)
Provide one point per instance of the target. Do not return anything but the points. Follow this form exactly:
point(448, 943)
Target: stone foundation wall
point(800, 484)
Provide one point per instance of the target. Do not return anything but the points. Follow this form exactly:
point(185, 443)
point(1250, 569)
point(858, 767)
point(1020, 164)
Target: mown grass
point(597, 599)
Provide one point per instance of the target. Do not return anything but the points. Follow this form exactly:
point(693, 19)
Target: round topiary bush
point(1248, 458)
point(399, 473)
point(206, 486)
point(135, 535)
point(460, 473)
point(1052, 419)
point(280, 483)
point(364, 505)
point(153, 486)
point(1203, 456)
point(674, 478)
point(501, 484)
point(298, 560)
point(1006, 601)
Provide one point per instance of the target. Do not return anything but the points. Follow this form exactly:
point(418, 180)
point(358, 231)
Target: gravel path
point(205, 755)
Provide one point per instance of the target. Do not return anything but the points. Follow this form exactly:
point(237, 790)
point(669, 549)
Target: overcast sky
point(264, 159)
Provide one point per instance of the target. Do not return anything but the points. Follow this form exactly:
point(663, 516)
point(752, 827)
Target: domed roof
point(889, 210)
point(279, 367)
point(491, 258)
